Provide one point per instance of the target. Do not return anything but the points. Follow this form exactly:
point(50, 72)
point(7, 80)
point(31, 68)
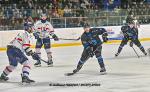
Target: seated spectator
point(67, 12)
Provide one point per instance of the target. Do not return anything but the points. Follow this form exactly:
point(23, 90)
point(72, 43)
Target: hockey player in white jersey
point(43, 31)
point(16, 50)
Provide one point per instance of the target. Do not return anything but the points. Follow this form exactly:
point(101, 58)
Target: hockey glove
point(28, 51)
point(35, 56)
point(104, 37)
point(55, 37)
point(36, 35)
point(126, 36)
point(90, 51)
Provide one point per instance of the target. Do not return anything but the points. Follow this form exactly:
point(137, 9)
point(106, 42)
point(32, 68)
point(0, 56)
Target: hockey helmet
point(28, 26)
point(86, 25)
point(43, 17)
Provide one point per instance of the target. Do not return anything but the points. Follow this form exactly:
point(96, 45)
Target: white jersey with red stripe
point(44, 30)
point(22, 41)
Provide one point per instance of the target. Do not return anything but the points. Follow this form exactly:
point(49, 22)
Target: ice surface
point(126, 73)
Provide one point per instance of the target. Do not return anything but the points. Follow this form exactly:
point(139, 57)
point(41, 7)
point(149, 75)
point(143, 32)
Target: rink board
point(114, 34)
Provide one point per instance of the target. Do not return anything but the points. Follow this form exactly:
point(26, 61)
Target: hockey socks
point(6, 72)
point(102, 66)
point(143, 50)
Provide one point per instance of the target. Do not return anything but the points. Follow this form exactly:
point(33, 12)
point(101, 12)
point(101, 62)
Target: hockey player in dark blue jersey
point(92, 46)
point(130, 34)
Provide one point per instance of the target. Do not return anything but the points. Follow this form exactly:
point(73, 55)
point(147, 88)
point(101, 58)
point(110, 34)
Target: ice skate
point(38, 63)
point(26, 79)
point(3, 78)
point(145, 53)
point(103, 71)
point(50, 63)
point(116, 54)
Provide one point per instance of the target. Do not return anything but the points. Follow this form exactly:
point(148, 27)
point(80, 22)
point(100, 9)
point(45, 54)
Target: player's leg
point(21, 58)
point(38, 47)
point(138, 44)
point(47, 46)
point(100, 59)
point(26, 71)
point(11, 53)
point(84, 57)
point(123, 43)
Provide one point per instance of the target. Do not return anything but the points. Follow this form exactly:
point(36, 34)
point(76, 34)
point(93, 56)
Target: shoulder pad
point(124, 27)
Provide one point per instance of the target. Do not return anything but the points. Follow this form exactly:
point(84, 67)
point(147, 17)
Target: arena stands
point(72, 13)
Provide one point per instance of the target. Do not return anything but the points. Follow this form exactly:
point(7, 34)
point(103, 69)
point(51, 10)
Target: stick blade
point(69, 74)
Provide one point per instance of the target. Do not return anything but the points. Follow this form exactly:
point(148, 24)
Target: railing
point(93, 17)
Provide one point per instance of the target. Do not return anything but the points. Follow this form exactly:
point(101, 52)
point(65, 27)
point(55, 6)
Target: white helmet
point(43, 16)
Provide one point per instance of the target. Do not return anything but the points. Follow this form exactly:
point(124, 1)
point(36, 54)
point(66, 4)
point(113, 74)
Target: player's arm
point(87, 46)
point(54, 36)
point(26, 46)
point(124, 30)
point(51, 32)
point(103, 32)
point(19, 38)
point(35, 29)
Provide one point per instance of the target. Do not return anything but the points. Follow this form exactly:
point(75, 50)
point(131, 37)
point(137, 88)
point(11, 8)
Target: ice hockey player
point(92, 46)
point(132, 21)
point(43, 31)
point(16, 50)
point(130, 34)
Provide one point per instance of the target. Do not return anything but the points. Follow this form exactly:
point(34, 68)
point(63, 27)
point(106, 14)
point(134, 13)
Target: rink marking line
point(79, 43)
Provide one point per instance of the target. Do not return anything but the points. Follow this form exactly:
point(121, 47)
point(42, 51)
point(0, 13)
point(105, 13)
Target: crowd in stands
point(13, 12)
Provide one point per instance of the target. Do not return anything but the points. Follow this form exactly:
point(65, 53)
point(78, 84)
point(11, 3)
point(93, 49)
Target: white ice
point(126, 73)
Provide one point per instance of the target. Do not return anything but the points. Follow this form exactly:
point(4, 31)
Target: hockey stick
point(43, 61)
point(136, 52)
point(68, 39)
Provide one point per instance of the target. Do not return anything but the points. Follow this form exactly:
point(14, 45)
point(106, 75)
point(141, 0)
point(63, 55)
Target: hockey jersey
point(43, 30)
point(92, 38)
point(129, 32)
point(22, 41)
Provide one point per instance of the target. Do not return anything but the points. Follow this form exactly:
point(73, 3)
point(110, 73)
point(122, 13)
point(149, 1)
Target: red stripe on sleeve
point(46, 28)
point(51, 31)
point(19, 39)
point(26, 45)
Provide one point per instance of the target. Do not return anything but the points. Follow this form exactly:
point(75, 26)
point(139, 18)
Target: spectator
point(67, 12)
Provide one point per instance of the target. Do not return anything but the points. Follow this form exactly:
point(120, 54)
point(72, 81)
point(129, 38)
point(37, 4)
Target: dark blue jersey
point(92, 37)
point(129, 32)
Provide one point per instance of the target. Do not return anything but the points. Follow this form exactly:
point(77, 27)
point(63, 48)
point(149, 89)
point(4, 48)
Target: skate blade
point(69, 74)
point(50, 65)
point(26, 84)
point(37, 65)
point(103, 73)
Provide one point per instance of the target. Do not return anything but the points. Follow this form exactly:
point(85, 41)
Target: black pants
point(135, 41)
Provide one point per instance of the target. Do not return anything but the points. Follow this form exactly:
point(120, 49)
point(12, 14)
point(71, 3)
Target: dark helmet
point(28, 25)
point(86, 25)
